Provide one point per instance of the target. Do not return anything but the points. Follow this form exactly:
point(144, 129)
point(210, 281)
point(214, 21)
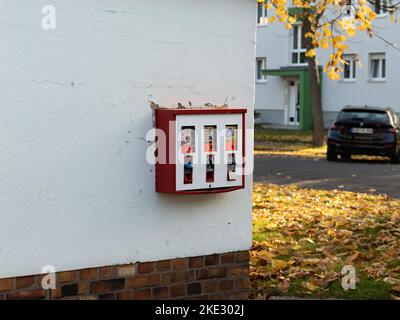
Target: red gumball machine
point(200, 150)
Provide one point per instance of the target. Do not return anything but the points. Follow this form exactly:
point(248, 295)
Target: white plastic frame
point(199, 156)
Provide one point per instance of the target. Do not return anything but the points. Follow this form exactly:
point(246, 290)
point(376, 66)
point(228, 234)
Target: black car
point(366, 131)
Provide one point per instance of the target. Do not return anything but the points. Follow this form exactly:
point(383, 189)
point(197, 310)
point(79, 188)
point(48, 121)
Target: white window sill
point(299, 64)
point(262, 25)
point(261, 81)
point(348, 80)
point(377, 80)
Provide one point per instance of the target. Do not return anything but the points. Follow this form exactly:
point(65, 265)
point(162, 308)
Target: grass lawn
point(262, 134)
point(303, 238)
point(292, 143)
point(283, 142)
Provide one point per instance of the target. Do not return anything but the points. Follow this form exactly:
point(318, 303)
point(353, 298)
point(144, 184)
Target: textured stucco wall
point(76, 190)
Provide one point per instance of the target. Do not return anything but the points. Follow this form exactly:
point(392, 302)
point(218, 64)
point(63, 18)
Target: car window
point(363, 116)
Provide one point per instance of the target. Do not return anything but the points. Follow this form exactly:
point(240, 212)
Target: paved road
point(355, 175)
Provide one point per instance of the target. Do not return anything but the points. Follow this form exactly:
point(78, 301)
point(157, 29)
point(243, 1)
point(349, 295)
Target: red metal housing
point(167, 142)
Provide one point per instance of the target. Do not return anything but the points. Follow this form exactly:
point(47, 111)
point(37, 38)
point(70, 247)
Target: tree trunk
point(316, 98)
point(316, 102)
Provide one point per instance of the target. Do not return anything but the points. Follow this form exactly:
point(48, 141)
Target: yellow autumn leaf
point(307, 240)
point(296, 247)
point(326, 29)
point(333, 75)
point(324, 44)
point(279, 264)
point(310, 53)
point(351, 32)
point(362, 27)
point(340, 38)
point(371, 14)
point(310, 286)
point(396, 288)
point(309, 35)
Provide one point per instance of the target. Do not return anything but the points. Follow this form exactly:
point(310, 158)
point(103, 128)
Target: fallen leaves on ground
point(285, 142)
point(302, 151)
point(261, 133)
point(290, 150)
point(292, 143)
point(304, 237)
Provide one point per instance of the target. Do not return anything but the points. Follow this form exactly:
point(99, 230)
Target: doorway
point(293, 106)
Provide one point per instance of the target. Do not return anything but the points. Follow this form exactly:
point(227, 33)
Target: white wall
point(272, 44)
point(75, 189)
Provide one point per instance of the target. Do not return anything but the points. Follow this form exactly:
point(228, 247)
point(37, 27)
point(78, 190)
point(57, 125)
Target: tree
point(327, 24)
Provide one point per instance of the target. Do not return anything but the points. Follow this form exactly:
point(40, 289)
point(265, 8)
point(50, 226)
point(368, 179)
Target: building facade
point(77, 192)
point(283, 95)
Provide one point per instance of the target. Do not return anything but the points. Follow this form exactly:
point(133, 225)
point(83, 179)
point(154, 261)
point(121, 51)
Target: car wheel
point(331, 154)
point(395, 156)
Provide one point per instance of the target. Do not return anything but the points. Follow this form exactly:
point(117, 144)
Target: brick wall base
point(220, 276)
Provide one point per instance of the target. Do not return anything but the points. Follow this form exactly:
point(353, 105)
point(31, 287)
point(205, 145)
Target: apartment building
point(283, 92)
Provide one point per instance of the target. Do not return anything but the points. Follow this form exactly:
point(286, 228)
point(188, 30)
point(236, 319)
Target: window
point(377, 66)
point(380, 7)
point(349, 72)
point(262, 14)
point(365, 116)
point(298, 45)
point(261, 66)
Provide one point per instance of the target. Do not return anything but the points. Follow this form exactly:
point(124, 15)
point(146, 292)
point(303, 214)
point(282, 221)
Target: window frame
point(263, 78)
point(262, 20)
point(352, 58)
point(383, 12)
point(382, 66)
point(299, 50)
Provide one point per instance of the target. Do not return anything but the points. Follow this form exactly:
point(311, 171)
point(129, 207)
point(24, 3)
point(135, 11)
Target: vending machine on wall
point(200, 150)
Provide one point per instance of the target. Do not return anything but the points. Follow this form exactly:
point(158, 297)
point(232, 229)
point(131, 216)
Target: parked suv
point(365, 130)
